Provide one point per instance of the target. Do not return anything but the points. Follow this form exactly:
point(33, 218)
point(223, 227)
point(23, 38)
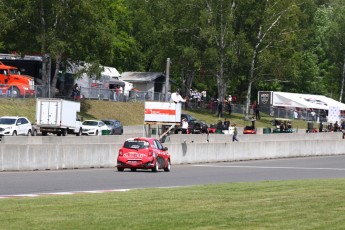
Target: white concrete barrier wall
point(220, 138)
point(71, 156)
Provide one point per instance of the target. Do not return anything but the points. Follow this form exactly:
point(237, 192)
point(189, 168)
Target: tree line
point(226, 47)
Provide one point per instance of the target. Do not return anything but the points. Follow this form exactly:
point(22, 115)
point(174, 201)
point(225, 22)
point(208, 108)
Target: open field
point(307, 204)
point(129, 113)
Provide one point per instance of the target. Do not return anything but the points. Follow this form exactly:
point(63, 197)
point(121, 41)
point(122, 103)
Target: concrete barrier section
point(44, 153)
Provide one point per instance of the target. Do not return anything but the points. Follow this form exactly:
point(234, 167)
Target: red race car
point(143, 153)
point(249, 130)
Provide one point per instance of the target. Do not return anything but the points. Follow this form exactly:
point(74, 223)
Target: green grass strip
point(305, 204)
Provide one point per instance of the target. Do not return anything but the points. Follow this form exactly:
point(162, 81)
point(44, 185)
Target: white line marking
point(268, 167)
point(75, 192)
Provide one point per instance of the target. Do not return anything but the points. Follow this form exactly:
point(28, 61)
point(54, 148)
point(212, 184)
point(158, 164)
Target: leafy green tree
point(334, 36)
point(268, 30)
point(67, 29)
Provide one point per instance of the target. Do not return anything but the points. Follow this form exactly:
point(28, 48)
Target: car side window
point(158, 145)
point(23, 121)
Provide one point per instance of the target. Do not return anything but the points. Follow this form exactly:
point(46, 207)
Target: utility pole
point(167, 79)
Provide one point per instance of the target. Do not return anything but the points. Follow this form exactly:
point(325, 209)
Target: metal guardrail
point(12, 91)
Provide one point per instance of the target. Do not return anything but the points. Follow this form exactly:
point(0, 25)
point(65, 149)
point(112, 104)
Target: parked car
point(13, 126)
point(115, 126)
point(194, 125)
point(249, 130)
point(143, 153)
point(93, 127)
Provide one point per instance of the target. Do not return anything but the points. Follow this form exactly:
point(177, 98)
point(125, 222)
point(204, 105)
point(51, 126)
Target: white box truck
point(57, 116)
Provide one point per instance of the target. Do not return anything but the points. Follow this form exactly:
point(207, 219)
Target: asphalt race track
point(81, 180)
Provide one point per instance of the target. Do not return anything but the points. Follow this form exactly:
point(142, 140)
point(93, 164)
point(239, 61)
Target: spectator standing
point(234, 99)
point(343, 125)
point(219, 126)
point(204, 94)
point(234, 137)
point(295, 114)
point(226, 124)
point(184, 126)
point(228, 104)
point(230, 99)
point(169, 95)
point(117, 92)
point(253, 122)
point(321, 127)
point(257, 111)
point(120, 97)
point(112, 94)
point(76, 92)
point(219, 108)
point(176, 97)
point(336, 126)
point(312, 113)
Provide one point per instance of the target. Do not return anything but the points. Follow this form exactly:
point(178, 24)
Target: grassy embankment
point(307, 204)
point(129, 113)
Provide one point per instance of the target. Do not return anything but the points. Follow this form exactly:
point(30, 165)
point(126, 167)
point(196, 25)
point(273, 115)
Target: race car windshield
point(7, 121)
point(136, 144)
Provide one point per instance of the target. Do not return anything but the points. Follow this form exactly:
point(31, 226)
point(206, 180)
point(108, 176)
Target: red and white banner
point(162, 112)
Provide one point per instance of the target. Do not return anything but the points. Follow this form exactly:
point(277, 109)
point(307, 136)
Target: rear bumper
point(148, 165)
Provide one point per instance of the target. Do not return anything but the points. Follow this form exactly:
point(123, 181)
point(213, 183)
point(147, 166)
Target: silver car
point(115, 126)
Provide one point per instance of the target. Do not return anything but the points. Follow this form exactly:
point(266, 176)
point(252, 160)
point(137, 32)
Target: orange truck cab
point(14, 84)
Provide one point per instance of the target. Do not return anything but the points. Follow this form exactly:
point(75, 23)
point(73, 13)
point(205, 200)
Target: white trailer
point(57, 116)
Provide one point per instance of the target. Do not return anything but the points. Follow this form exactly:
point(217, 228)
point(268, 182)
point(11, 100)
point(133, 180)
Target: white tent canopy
point(111, 72)
point(283, 99)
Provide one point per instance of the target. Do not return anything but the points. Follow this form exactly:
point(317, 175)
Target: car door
point(23, 127)
point(117, 127)
point(161, 153)
point(102, 126)
point(20, 127)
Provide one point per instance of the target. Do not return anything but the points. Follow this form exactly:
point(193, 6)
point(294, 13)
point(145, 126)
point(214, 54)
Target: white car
point(13, 126)
point(93, 127)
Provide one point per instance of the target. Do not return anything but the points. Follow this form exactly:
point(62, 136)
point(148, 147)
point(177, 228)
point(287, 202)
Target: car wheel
point(64, 132)
point(133, 169)
point(167, 169)
point(34, 132)
point(120, 169)
point(156, 167)
point(29, 133)
point(15, 92)
point(79, 133)
point(96, 132)
point(14, 133)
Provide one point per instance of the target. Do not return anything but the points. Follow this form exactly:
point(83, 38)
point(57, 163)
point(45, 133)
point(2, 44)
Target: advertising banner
point(164, 112)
